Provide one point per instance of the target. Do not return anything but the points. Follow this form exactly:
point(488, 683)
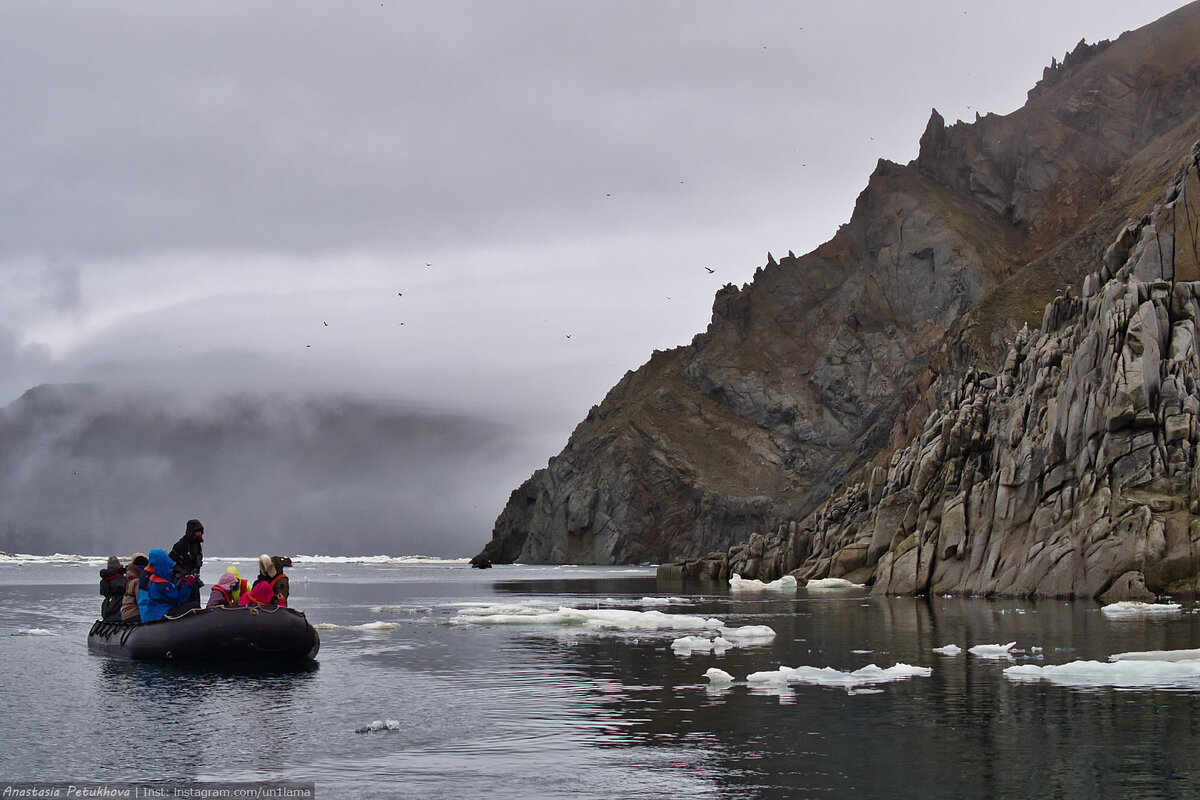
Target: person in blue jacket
point(160, 594)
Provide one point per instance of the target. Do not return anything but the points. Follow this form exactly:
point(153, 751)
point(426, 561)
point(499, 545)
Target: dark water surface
point(555, 709)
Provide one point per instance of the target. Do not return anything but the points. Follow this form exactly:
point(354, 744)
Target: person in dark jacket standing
point(188, 554)
point(112, 588)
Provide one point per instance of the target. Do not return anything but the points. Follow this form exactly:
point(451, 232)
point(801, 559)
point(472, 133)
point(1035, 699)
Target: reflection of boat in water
point(227, 634)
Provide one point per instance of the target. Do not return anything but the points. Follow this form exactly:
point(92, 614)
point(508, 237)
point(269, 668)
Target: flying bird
point(710, 270)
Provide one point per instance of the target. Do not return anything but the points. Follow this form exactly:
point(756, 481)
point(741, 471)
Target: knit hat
point(266, 566)
point(114, 562)
point(193, 526)
point(139, 559)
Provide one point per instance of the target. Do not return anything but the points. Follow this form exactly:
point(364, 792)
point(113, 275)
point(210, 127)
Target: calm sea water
point(554, 707)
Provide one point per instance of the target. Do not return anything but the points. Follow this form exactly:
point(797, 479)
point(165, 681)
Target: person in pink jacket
point(226, 591)
point(261, 595)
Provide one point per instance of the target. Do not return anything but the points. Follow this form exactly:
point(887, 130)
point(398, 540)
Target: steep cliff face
point(1072, 471)
point(817, 374)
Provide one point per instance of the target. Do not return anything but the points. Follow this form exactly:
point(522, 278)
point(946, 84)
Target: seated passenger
point(133, 577)
point(112, 588)
point(228, 589)
point(161, 596)
point(281, 584)
point(266, 589)
point(241, 588)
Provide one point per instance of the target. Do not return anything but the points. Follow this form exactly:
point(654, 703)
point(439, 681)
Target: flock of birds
point(710, 271)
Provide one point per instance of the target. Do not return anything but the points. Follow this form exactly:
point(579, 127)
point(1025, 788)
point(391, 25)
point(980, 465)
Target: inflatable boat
point(227, 635)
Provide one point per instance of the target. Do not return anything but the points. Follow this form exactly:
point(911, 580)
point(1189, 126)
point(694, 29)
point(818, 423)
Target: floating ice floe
point(823, 584)
point(381, 559)
point(1120, 674)
point(992, 650)
point(663, 601)
point(948, 650)
point(596, 618)
point(370, 627)
point(687, 645)
point(501, 609)
point(1129, 608)
point(726, 638)
point(20, 559)
point(718, 676)
point(34, 632)
point(739, 584)
point(828, 676)
point(749, 634)
point(1157, 655)
point(380, 725)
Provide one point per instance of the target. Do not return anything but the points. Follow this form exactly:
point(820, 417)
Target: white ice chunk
point(948, 650)
point(992, 650)
point(785, 584)
point(370, 627)
point(597, 618)
point(1126, 674)
point(749, 634)
point(715, 675)
point(828, 676)
point(663, 601)
point(831, 583)
point(393, 724)
point(1157, 655)
point(1129, 608)
point(745, 636)
point(690, 644)
point(502, 609)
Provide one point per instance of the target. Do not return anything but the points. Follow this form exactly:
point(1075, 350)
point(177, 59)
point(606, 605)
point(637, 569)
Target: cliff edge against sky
point(817, 389)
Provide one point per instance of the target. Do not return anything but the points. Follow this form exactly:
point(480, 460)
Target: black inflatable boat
point(229, 635)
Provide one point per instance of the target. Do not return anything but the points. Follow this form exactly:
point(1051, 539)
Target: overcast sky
point(497, 207)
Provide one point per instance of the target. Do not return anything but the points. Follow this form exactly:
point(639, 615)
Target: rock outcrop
point(843, 398)
point(1071, 471)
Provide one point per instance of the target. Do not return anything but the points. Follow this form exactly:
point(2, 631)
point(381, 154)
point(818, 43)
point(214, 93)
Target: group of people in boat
point(163, 584)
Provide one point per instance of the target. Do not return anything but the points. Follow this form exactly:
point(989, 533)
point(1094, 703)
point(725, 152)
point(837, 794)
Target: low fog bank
point(86, 468)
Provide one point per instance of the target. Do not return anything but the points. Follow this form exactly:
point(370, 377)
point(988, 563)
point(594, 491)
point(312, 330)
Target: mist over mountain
point(94, 469)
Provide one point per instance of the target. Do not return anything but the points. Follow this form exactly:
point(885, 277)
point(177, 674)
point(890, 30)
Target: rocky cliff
point(839, 414)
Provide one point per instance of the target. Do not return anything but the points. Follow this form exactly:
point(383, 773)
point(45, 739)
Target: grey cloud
point(95, 469)
point(283, 128)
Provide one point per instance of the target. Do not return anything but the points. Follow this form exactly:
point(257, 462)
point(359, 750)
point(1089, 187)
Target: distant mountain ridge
point(88, 468)
point(817, 376)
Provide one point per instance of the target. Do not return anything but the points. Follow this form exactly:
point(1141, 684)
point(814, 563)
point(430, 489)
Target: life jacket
point(228, 597)
point(275, 598)
point(248, 598)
